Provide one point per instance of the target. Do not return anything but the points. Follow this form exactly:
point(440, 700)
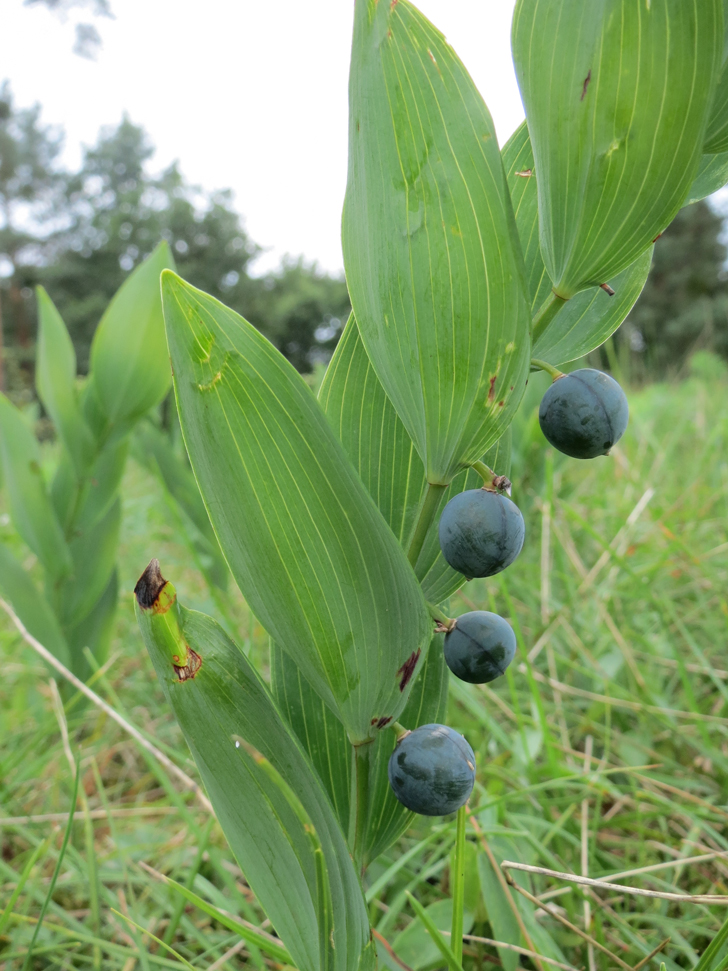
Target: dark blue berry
point(481, 532)
point(480, 647)
point(584, 413)
point(432, 770)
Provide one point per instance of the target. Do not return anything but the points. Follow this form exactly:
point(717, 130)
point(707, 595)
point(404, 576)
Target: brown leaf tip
point(408, 669)
point(149, 585)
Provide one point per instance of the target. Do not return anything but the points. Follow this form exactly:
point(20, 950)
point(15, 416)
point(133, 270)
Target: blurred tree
point(684, 305)
point(31, 203)
point(88, 39)
point(81, 233)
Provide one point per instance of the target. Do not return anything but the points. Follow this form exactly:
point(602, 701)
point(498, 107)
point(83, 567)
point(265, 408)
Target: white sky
point(248, 95)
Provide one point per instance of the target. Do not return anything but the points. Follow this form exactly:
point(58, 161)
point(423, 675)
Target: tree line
point(79, 234)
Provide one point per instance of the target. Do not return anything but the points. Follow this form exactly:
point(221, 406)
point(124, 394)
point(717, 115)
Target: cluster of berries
point(432, 769)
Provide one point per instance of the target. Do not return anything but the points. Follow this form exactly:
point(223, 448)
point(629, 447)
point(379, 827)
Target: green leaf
point(129, 361)
point(305, 543)
point(441, 944)
point(94, 631)
point(500, 915)
point(712, 175)
point(502, 920)
point(31, 606)
point(431, 251)
point(94, 555)
point(154, 449)
point(248, 933)
point(317, 728)
point(381, 451)
point(218, 699)
point(30, 507)
point(716, 135)
point(102, 487)
point(415, 946)
point(590, 317)
point(55, 379)
point(388, 819)
point(324, 738)
point(616, 95)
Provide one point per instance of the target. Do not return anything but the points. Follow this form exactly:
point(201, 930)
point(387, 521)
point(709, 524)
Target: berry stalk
point(548, 368)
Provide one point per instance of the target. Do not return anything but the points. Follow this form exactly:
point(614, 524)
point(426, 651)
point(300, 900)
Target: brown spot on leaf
point(587, 79)
point(408, 669)
point(491, 389)
point(393, 4)
point(501, 403)
point(656, 237)
point(149, 585)
point(194, 663)
point(525, 174)
point(384, 721)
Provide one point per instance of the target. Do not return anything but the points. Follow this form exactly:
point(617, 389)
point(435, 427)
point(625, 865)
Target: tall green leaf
point(431, 252)
point(219, 699)
point(31, 606)
point(324, 738)
point(30, 507)
point(154, 449)
point(55, 379)
point(716, 135)
point(94, 631)
point(129, 361)
point(590, 317)
point(382, 452)
point(616, 95)
point(93, 551)
point(305, 543)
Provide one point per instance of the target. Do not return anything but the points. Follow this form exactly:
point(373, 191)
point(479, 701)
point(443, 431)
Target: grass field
point(603, 752)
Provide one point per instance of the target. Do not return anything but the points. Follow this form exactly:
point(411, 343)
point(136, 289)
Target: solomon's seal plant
point(467, 267)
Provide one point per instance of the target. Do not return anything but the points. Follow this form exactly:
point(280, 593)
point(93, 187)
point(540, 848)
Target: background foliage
point(80, 233)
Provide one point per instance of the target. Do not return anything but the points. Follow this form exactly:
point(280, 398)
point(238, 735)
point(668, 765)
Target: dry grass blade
point(93, 814)
point(652, 953)
point(515, 947)
point(509, 896)
point(719, 899)
point(390, 950)
point(174, 770)
point(567, 923)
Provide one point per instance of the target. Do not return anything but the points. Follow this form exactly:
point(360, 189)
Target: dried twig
point(509, 896)
point(618, 887)
point(567, 923)
point(514, 947)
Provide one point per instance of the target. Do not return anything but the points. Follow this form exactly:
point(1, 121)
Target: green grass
point(606, 745)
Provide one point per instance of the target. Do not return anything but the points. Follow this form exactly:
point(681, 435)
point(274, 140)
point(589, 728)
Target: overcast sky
point(247, 95)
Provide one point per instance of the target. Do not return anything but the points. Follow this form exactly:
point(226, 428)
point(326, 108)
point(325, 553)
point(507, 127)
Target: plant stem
point(428, 511)
point(545, 314)
point(457, 882)
point(361, 802)
point(548, 368)
point(491, 481)
point(439, 615)
point(399, 730)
